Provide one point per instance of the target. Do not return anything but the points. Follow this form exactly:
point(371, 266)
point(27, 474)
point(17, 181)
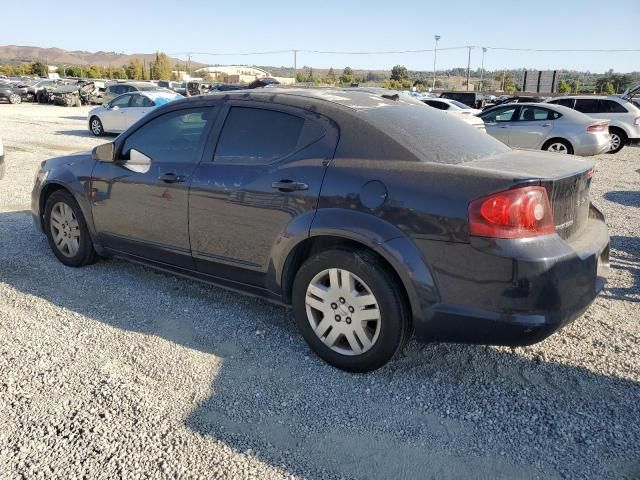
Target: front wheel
point(14, 98)
point(67, 230)
point(350, 309)
point(558, 145)
point(96, 126)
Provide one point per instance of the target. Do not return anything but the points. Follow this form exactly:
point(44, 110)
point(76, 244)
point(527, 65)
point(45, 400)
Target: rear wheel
point(67, 230)
point(14, 98)
point(350, 309)
point(618, 139)
point(96, 126)
point(558, 145)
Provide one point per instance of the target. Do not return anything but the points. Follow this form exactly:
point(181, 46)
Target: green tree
point(399, 73)
point(564, 87)
point(160, 67)
point(347, 77)
point(331, 76)
point(575, 86)
point(39, 68)
point(134, 70)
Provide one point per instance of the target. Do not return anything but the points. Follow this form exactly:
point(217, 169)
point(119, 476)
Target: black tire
point(30, 97)
point(554, 141)
point(86, 254)
point(395, 325)
point(622, 139)
point(95, 126)
point(15, 99)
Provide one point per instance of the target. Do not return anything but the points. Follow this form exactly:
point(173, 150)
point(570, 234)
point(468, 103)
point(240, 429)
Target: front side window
point(499, 115)
point(121, 101)
point(258, 136)
point(173, 137)
point(530, 114)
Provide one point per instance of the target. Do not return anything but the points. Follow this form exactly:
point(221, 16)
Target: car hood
point(67, 160)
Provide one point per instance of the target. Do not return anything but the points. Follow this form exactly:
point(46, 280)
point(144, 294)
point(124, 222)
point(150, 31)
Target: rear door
point(266, 171)
point(532, 126)
point(498, 121)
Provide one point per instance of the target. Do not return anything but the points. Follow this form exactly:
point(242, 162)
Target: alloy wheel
point(615, 141)
point(65, 229)
point(343, 312)
point(96, 126)
point(558, 147)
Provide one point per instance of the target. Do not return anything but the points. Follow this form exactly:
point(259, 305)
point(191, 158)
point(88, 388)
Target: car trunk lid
point(566, 178)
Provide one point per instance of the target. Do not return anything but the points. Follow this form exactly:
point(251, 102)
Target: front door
point(139, 106)
point(267, 170)
point(140, 202)
point(114, 118)
point(498, 121)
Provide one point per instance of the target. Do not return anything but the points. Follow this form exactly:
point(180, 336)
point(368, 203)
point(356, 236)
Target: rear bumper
point(514, 292)
point(591, 144)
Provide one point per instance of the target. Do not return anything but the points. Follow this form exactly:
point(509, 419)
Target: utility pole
point(503, 74)
point(189, 67)
point(469, 68)
point(484, 50)
point(295, 63)
point(435, 55)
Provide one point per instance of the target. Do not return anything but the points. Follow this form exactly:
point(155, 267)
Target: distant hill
point(58, 56)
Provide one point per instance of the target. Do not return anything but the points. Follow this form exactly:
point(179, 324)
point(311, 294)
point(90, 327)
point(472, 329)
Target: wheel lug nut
point(334, 305)
point(341, 300)
point(348, 320)
point(338, 318)
point(351, 309)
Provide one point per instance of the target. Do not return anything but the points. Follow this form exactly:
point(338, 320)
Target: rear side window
point(141, 101)
point(529, 114)
point(436, 104)
point(258, 136)
point(173, 137)
point(588, 105)
point(609, 106)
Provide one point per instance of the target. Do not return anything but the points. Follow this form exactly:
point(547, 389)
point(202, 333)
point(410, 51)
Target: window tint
point(530, 114)
point(436, 104)
point(499, 115)
point(172, 137)
point(121, 102)
point(565, 102)
point(609, 106)
point(257, 136)
point(588, 105)
point(141, 101)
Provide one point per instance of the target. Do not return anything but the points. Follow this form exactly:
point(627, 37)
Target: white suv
point(623, 116)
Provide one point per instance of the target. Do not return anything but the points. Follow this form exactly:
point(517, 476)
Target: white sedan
point(460, 110)
point(123, 111)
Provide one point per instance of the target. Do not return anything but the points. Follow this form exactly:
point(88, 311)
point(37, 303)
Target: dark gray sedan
point(371, 215)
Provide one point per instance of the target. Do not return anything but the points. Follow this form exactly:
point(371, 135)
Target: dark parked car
point(428, 226)
point(11, 93)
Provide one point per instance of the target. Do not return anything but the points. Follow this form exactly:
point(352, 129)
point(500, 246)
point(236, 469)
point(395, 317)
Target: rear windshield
point(432, 135)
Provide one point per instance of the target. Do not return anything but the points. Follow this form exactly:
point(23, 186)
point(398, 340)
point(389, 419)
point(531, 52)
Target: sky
point(229, 27)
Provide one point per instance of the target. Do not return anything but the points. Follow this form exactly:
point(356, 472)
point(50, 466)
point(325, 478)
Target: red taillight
point(600, 127)
point(521, 212)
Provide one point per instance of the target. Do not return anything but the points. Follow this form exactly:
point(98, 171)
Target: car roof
point(589, 97)
point(565, 111)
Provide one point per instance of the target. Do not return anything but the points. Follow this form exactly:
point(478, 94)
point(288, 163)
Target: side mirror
point(138, 162)
point(104, 153)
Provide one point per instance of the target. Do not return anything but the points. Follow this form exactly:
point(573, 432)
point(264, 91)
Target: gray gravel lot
point(116, 371)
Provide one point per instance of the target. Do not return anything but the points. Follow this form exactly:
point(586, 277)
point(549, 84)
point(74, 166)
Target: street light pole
point(484, 50)
point(469, 68)
point(435, 55)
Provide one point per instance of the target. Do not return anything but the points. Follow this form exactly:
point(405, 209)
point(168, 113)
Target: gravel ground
point(116, 371)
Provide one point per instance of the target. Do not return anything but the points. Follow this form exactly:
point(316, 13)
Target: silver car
point(123, 111)
point(543, 126)
point(623, 116)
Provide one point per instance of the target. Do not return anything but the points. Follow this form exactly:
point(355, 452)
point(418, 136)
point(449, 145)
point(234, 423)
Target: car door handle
point(546, 124)
point(171, 177)
point(503, 126)
point(289, 186)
